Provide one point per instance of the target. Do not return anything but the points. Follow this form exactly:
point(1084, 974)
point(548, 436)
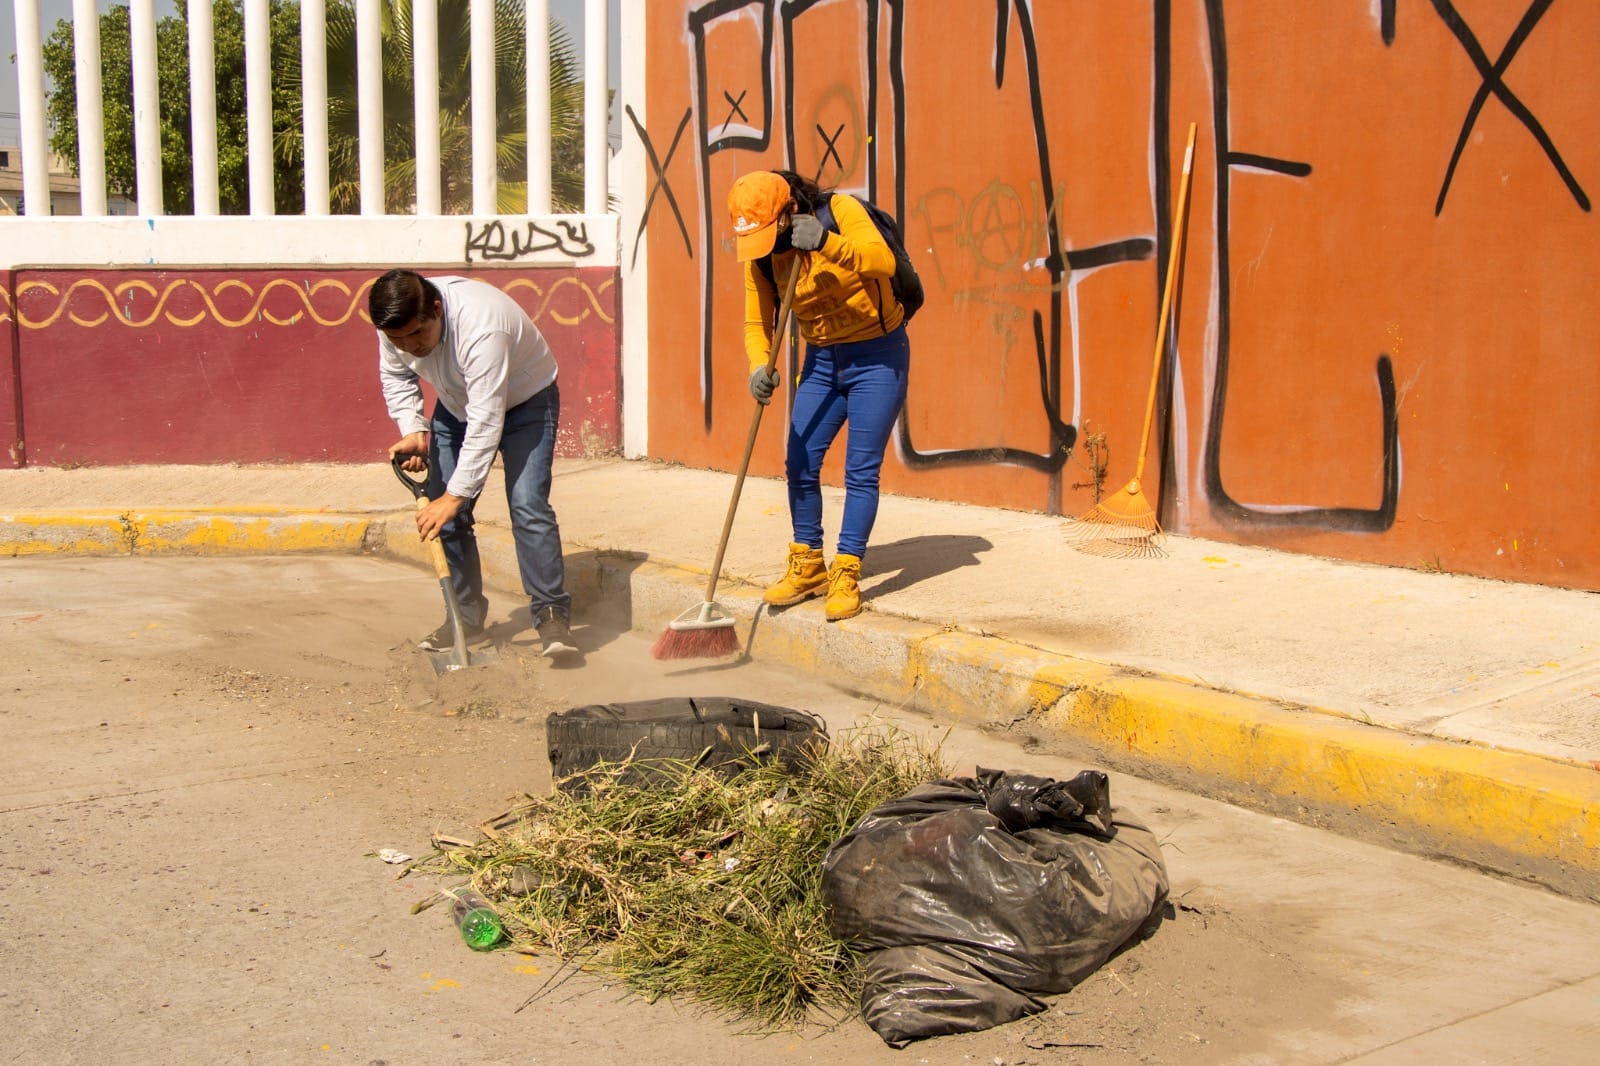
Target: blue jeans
point(864, 384)
point(527, 450)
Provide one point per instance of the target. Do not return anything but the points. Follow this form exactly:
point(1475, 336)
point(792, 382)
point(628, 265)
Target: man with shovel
point(495, 380)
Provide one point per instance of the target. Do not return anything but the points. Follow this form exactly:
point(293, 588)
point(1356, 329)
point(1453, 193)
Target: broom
point(1124, 524)
point(705, 631)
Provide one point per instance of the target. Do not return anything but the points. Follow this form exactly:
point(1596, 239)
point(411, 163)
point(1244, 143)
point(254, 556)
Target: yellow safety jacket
point(843, 292)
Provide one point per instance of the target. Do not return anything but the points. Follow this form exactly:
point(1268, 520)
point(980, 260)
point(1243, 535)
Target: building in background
point(64, 189)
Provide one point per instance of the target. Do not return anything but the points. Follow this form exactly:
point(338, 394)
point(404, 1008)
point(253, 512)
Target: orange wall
point(1385, 338)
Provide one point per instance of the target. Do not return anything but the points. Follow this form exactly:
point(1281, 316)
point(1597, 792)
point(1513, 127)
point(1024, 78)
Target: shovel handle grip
point(419, 489)
point(441, 565)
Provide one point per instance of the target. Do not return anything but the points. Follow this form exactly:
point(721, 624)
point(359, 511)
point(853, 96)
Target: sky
point(52, 11)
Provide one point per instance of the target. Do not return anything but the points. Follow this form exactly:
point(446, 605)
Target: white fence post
point(425, 84)
point(369, 94)
point(483, 110)
point(538, 89)
point(314, 102)
point(146, 107)
point(203, 107)
point(258, 104)
point(91, 118)
point(30, 77)
point(595, 118)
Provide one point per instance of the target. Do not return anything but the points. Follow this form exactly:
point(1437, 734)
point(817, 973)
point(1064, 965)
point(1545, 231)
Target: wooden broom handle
point(755, 427)
point(1166, 298)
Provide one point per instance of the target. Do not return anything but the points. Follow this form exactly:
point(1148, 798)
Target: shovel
point(457, 657)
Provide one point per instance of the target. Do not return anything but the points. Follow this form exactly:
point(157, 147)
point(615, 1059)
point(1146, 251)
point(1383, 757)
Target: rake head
point(1121, 526)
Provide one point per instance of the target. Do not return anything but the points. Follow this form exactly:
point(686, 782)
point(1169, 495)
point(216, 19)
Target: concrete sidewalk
point(1441, 714)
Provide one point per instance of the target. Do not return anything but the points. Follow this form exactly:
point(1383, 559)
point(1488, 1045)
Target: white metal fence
point(146, 107)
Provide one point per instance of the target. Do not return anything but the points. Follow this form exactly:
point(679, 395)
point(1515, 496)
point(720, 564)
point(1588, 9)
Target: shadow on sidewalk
point(602, 605)
point(919, 559)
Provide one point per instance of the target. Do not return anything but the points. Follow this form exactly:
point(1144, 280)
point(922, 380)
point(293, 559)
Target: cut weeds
point(700, 885)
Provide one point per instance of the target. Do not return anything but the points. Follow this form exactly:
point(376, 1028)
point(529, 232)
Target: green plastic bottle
point(476, 918)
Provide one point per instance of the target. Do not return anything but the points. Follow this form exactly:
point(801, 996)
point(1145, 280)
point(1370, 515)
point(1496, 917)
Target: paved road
point(1433, 712)
point(203, 754)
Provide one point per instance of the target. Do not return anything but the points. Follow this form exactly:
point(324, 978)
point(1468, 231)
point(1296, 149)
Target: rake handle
point(1173, 260)
point(782, 326)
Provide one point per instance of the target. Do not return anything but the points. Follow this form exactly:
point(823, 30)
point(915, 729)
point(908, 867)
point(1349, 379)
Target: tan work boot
point(844, 594)
point(807, 577)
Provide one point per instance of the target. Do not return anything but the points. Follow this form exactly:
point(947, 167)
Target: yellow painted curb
point(1515, 813)
point(1519, 814)
point(191, 532)
point(1506, 803)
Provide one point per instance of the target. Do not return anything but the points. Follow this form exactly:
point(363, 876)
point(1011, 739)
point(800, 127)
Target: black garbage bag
point(970, 898)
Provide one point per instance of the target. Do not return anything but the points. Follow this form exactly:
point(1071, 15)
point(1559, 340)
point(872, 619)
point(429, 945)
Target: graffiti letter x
point(659, 166)
point(1493, 82)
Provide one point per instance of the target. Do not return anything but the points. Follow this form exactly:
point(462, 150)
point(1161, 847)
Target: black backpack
point(906, 285)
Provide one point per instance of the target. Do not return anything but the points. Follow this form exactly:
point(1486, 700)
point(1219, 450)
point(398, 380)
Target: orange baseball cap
point(755, 203)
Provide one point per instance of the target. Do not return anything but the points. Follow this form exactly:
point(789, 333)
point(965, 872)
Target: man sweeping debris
point(495, 379)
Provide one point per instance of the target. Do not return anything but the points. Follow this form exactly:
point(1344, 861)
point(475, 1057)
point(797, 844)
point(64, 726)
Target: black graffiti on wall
point(497, 243)
point(1047, 331)
point(742, 118)
point(1493, 76)
point(752, 134)
point(659, 182)
point(1348, 519)
point(1227, 510)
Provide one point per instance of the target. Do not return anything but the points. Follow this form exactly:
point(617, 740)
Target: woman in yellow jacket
point(854, 373)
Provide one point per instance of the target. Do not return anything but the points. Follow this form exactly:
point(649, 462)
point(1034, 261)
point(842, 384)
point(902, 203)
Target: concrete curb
point(1524, 816)
point(191, 532)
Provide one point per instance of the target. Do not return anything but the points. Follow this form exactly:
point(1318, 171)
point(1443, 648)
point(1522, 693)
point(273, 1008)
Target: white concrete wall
point(632, 181)
point(338, 240)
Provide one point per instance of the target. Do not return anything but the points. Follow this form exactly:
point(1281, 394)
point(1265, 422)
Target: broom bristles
point(710, 643)
point(704, 631)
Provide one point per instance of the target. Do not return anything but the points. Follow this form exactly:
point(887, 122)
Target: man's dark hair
point(400, 296)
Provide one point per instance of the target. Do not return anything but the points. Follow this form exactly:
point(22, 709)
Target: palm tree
point(455, 110)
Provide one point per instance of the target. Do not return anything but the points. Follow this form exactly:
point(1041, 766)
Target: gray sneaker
point(554, 632)
point(444, 638)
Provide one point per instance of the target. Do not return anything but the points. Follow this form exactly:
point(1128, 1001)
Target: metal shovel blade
point(449, 661)
point(456, 657)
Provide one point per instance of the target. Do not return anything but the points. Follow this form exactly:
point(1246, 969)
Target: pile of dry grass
point(701, 885)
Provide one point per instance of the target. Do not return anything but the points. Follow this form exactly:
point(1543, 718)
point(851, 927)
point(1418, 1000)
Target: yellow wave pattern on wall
point(328, 302)
point(595, 306)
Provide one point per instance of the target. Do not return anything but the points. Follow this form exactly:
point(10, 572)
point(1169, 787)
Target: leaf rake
point(1124, 524)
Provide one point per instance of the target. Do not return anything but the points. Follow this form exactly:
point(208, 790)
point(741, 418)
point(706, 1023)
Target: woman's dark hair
point(399, 297)
point(808, 195)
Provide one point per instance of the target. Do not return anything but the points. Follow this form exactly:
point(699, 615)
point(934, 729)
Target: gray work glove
point(762, 382)
point(806, 233)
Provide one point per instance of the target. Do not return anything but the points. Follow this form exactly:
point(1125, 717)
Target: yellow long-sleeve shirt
point(842, 294)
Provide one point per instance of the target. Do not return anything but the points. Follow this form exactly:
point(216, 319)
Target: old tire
point(719, 733)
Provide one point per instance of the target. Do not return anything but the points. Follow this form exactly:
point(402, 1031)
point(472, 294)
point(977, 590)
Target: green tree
point(455, 109)
point(172, 74)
